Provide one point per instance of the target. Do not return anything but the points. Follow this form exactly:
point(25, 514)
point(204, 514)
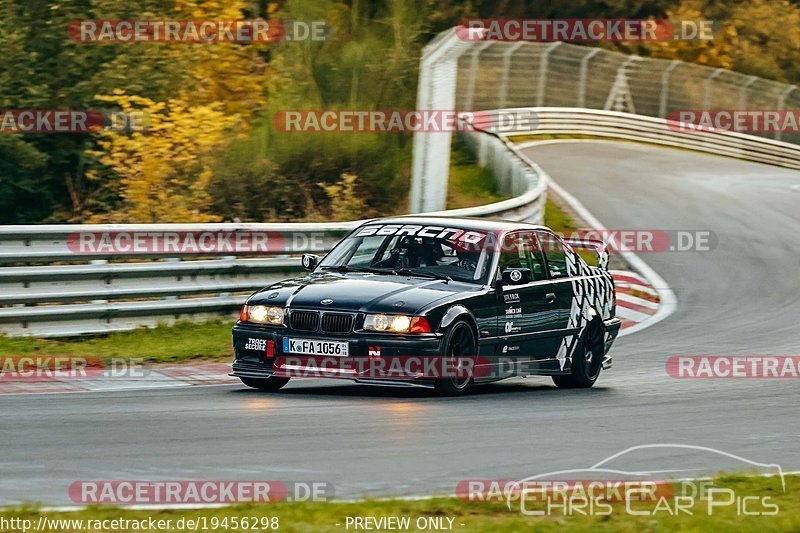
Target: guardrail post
point(582, 76)
point(743, 91)
point(107, 280)
point(436, 91)
point(501, 98)
point(782, 104)
point(474, 62)
point(171, 260)
point(662, 110)
point(543, 72)
point(620, 95)
point(707, 88)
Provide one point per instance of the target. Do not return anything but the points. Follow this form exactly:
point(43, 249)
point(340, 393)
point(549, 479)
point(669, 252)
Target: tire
point(587, 361)
point(270, 384)
point(459, 341)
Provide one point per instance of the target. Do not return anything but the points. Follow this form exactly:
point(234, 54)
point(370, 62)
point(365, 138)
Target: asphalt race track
point(741, 298)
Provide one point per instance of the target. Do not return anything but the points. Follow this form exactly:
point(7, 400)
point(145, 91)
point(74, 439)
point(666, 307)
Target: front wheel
point(586, 361)
point(460, 343)
point(271, 383)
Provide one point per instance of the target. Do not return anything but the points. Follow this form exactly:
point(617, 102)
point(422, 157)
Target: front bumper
point(255, 363)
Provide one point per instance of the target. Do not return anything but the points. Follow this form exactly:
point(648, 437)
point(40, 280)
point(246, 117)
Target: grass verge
point(559, 221)
point(468, 517)
point(556, 218)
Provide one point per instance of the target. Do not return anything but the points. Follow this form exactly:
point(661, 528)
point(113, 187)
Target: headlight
point(396, 323)
point(262, 314)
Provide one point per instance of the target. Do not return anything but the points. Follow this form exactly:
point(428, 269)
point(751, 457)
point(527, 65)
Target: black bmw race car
point(437, 302)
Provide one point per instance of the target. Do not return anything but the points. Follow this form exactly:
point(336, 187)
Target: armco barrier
point(52, 286)
point(627, 126)
point(46, 288)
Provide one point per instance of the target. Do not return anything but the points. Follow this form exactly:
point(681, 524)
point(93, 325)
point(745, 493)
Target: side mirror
point(309, 261)
point(516, 276)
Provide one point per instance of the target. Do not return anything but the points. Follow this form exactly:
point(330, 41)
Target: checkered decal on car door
point(592, 294)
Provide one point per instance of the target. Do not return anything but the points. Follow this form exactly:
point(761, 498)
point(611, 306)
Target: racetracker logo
point(54, 121)
point(563, 490)
point(645, 240)
point(60, 367)
point(375, 366)
point(734, 120)
point(584, 30)
point(400, 121)
point(734, 366)
point(197, 492)
point(197, 31)
point(245, 242)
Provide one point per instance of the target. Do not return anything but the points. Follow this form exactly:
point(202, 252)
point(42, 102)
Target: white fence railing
point(456, 74)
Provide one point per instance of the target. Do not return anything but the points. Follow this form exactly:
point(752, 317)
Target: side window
point(555, 253)
point(521, 250)
point(512, 254)
point(536, 258)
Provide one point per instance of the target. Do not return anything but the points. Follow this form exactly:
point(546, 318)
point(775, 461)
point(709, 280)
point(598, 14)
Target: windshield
point(430, 251)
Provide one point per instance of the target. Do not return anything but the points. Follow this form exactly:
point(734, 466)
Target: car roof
point(468, 223)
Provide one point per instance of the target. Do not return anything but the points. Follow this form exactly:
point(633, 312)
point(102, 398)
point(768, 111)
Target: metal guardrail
point(52, 285)
point(48, 288)
point(628, 126)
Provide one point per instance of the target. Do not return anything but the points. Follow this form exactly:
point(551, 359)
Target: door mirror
point(516, 276)
point(309, 261)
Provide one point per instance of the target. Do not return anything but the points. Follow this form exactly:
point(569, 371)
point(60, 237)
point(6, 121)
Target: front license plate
point(315, 347)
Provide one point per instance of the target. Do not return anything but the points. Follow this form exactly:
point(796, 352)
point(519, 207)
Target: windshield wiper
point(347, 268)
point(409, 272)
point(398, 271)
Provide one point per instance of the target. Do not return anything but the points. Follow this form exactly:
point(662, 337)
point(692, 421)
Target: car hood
point(376, 293)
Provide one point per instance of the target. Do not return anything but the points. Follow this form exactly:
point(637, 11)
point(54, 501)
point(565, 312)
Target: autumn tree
point(164, 171)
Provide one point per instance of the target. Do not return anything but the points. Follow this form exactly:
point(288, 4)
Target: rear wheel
point(586, 361)
point(460, 342)
point(271, 383)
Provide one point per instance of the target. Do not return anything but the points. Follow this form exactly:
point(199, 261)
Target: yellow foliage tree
point(163, 171)
point(230, 73)
point(346, 202)
point(759, 37)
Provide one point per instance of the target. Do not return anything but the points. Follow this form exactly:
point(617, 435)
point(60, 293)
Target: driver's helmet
point(416, 252)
